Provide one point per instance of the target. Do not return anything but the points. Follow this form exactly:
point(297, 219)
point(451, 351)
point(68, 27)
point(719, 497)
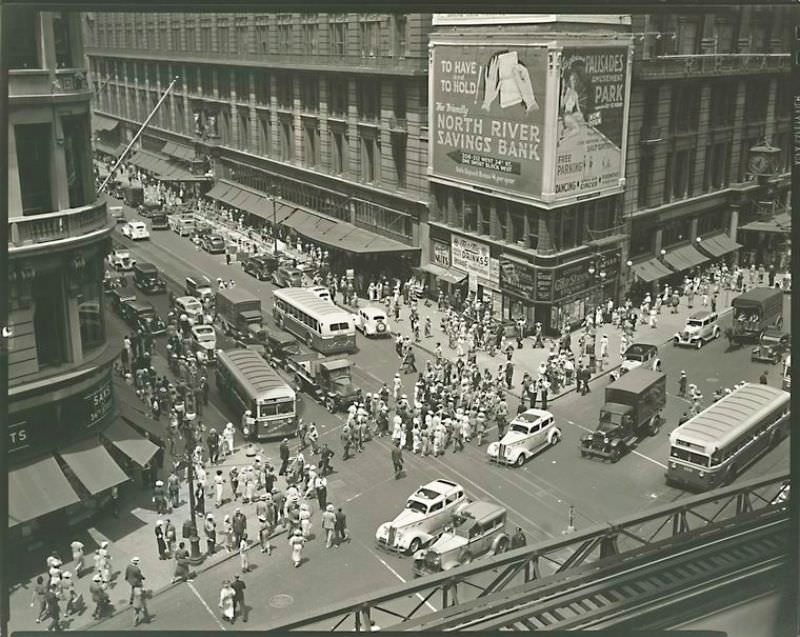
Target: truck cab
point(238, 311)
point(199, 286)
point(328, 380)
point(632, 411)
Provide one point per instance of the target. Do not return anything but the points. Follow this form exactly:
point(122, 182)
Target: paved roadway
point(537, 496)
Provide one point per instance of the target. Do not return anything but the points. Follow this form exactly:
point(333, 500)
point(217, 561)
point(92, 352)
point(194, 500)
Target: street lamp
point(663, 253)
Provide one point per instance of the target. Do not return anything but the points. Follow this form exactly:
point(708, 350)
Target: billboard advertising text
point(488, 116)
point(591, 110)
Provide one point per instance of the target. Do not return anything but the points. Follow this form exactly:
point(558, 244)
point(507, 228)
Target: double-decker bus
point(247, 382)
point(320, 324)
point(720, 442)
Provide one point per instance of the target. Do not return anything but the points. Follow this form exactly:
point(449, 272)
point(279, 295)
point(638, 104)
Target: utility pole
point(137, 135)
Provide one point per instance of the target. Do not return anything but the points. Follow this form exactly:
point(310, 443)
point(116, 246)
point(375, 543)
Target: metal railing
point(72, 223)
point(668, 66)
point(654, 533)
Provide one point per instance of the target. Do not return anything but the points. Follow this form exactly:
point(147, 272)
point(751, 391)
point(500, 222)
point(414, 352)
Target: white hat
point(103, 544)
point(135, 560)
point(97, 578)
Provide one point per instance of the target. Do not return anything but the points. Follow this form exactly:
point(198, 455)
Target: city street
point(537, 496)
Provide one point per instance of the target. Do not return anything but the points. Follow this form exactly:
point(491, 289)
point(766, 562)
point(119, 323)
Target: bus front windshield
point(275, 408)
point(689, 456)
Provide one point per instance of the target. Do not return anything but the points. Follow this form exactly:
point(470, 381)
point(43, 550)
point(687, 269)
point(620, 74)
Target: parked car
point(260, 267)
point(121, 260)
point(530, 432)
point(189, 306)
point(478, 528)
point(213, 244)
point(771, 346)
point(142, 314)
point(372, 321)
point(322, 292)
point(641, 355)
point(119, 297)
point(287, 277)
point(701, 327)
point(135, 230)
point(426, 514)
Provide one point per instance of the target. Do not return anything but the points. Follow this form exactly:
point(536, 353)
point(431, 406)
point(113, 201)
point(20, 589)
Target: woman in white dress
point(226, 595)
point(305, 520)
point(296, 541)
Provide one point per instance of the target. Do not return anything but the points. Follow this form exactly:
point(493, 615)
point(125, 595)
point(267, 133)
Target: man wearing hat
point(682, 384)
point(210, 528)
point(160, 497)
point(329, 524)
point(99, 595)
point(284, 455)
point(133, 575)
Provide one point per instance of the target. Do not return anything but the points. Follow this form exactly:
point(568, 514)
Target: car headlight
point(701, 474)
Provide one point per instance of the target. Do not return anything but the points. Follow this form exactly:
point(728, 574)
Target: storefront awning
point(651, 270)
point(781, 224)
point(93, 465)
point(719, 245)
point(449, 275)
point(36, 489)
point(684, 258)
point(178, 151)
point(341, 235)
point(162, 168)
point(109, 149)
point(103, 124)
point(130, 442)
point(141, 423)
point(256, 204)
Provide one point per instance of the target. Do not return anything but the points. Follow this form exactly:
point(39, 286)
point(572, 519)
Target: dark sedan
point(260, 267)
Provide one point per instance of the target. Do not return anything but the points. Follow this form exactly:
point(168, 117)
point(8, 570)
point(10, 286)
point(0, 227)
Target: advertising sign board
point(517, 278)
point(487, 115)
point(470, 256)
point(441, 254)
point(591, 114)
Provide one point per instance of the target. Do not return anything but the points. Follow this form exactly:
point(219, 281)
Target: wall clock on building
point(763, 159)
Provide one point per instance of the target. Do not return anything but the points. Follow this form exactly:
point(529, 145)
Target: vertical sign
point(591, 120)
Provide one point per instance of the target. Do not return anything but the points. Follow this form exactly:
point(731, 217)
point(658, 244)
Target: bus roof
point(310, 301)
point(255, 374)
point(723, 422)
point(636, 380)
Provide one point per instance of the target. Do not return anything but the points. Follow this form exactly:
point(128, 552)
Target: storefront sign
point(487, 115)
point(518, 279)
point(470, 256)
point(441, 254)
point(45, 427)
point(575, 278)
point(544, 285)
point(591, 114)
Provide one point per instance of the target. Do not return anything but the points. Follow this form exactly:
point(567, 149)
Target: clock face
point(759, 164)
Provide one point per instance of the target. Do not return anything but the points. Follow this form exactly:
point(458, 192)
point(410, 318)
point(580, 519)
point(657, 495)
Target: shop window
point(369, 38)
point(311, 144)
point(710, 223)
point(369, 157)
point(689, 32)
point(399, 158)
point(23, 49)
point(90, 308)
point(310, 37)
point(337, 34)
point(49, 319)
point(337, 152)
point(685, 108)
point(676, 231)
point(369, 99)
point(400, 30)
point(77, 157)
point(309, 93)
point(287, 139)
point(337, 96)
point(264, 137)
point(34, 155)
point(62, 34)
point(641, 241)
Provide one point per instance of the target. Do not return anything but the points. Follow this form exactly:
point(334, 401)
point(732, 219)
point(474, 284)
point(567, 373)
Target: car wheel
point(520, 460)
point(466, 558)
point(556, 438)
point(330, 404)
point(716, 334)
point(502, 546)
point(616, 454)
point(415, 546)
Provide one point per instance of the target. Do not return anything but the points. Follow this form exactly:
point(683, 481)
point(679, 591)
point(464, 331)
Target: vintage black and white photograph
point(399, 321)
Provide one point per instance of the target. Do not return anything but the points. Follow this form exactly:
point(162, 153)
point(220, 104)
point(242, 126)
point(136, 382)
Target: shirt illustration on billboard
point(590, 120)
point(488, 116)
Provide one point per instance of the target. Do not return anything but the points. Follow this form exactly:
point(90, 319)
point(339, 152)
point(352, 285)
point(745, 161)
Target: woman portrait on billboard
point(575, 102)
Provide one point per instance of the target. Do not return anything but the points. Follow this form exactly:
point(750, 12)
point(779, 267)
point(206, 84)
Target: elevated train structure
point(645, 571)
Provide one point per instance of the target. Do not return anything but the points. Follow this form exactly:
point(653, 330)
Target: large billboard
point(591, 120)
point(488, 116)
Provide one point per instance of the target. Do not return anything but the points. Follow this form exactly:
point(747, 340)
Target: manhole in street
point(281, 601)
point(712, 380)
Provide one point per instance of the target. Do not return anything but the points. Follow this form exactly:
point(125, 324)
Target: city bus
point(720, 442)
point(320, 324)
point(246, 381)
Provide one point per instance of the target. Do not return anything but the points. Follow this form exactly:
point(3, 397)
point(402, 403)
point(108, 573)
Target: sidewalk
point(528, 359)
point(132, 534)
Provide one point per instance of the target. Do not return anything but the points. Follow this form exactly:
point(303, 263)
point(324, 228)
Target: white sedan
point(531, 431)
point(121, 260)
point(135, 230)
point(372, 321)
